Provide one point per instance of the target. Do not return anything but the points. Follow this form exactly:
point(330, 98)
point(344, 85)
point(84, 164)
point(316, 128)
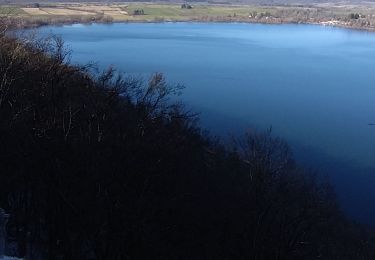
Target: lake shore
point(29, 16)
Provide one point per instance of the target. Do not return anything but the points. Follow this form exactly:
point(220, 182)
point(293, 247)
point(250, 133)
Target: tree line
point(102, 166)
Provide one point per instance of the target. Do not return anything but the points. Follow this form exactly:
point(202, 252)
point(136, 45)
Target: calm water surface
point(314, 85)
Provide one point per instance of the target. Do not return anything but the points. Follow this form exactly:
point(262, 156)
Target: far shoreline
point(70, 23)
point(359, 17)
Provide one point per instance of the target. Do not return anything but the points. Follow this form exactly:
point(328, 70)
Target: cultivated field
point(125, 12)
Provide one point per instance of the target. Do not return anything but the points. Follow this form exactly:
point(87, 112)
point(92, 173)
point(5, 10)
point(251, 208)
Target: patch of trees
point(264, 14)
point(354, 16)
point(253, 14)
point(138, 12)
point(108, 167)
point(186, 6)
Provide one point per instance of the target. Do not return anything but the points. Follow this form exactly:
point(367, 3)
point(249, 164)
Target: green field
point(10, 10)
point(174, 12)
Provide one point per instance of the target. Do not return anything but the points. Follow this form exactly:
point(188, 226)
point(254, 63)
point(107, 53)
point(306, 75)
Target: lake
point(314, 85)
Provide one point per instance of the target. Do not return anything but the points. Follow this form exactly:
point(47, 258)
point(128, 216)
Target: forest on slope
point(100, 166)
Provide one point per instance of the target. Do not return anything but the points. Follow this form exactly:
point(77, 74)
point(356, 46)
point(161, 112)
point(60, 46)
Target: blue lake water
point(314, 85)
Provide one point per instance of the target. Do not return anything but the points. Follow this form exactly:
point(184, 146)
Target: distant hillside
point(261, 2)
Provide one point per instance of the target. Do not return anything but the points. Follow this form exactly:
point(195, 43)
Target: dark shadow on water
point(353, 183)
